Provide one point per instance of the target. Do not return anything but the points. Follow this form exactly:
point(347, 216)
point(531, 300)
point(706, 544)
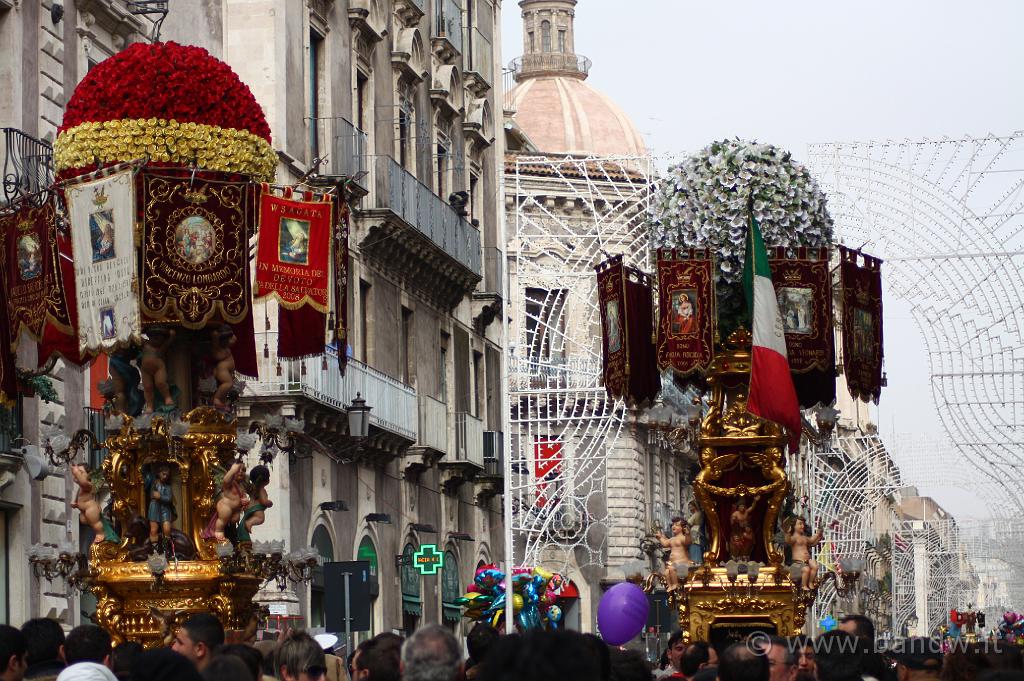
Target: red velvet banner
point(627, 317)
point(862, 323)
point(294, 250)
point(803, 287)
point(195, 236)
point(686, 310)
point(59, 331)
point(8, 370)
point(29, 258)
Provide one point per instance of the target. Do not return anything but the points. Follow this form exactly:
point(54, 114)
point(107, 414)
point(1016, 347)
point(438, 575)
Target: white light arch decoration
point(568, 212)
point(948, 218)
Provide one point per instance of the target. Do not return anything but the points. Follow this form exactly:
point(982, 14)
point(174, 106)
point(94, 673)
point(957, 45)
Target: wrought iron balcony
point(420, 236)
point(447, 24)
point(481, 56)
point(469, 439)
point(28, 166)
point(494, 454)
point(433, 422)
point(394, 405)
point(550, 63)
point(346, 147)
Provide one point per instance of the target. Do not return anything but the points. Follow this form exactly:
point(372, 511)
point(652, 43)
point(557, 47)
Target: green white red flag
point(771, 395)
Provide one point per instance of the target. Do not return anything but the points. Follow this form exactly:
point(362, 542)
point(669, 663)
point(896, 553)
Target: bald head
point(740, 663)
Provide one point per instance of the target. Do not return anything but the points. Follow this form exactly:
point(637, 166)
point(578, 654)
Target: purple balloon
point(622, 613)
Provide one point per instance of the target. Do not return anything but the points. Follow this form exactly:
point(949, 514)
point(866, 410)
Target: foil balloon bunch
point(1011, 629)
point(534, 598)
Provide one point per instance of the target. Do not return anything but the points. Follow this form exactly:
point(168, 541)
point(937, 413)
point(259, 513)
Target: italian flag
point(772, 395)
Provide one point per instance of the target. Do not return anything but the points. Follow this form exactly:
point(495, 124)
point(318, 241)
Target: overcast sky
point(793, 73)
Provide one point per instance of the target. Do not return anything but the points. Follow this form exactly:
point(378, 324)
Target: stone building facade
point(576, 178)
point(396, 98)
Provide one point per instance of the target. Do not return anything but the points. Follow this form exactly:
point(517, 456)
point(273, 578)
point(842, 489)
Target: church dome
point(562, 114)
point(554, 107)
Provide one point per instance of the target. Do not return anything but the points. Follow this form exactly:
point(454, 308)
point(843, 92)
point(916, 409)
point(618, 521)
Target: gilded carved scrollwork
point(126, 591)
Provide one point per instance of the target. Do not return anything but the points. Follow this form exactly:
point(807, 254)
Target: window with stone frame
point(316, 84)
point(443, 155)
point(406, 125)
point(545, 36)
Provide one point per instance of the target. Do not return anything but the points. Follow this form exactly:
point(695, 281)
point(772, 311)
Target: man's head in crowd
point(782, 658)
point(739, 662)
point(45, 638)
point(378, 659)
point(300, 658)
point(838, 656)
point(13, 650)
point(431, 654)
point(198, 638)
point(87, 643)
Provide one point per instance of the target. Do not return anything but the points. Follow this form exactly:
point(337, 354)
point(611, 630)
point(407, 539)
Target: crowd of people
point(41, 651)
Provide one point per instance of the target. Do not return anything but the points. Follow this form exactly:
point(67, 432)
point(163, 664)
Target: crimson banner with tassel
point(862, 323)
point(686, 310)
point(292, 263)
point(28, 260)
point(804, 292)
point(627, 319)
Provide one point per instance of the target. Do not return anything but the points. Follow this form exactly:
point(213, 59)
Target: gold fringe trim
point(210, 147)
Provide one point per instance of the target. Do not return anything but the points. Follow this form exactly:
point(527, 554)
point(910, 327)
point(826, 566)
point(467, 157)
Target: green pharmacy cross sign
point(428, 560)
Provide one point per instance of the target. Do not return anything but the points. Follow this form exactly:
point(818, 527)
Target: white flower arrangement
point(703, 203)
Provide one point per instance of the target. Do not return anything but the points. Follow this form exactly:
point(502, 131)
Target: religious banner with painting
point(293, 255)
point(627, 320)
point(28, 259)
point(292, 263)
point(860, 276)
point(8, 370)
point(195, 235)
point(686, 310)
point(102, 216)
point(803, 287)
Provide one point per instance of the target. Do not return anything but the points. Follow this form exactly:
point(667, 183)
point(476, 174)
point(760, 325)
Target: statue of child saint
point(160, 512)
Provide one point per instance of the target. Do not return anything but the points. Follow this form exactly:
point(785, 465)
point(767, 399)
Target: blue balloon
point(622, 613)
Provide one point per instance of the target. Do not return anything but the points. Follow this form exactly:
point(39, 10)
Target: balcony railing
point(469, 438)
point(433, 424)
point(10, 427)
point(28, 165)
point(571, 372)
point(494, 271)
point(416, 204)
point(348, 146)
point(508, 83)
point(393, 403)
point(542, 62)
point(481, 55)
point(494, 454)
point(448, 22)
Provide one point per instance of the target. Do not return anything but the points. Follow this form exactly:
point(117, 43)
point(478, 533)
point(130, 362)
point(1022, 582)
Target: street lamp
point(358, 417)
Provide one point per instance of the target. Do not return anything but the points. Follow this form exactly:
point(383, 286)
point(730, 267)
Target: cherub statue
point(154, 369)
point(160, 512)
point(223, 364)
point(259, 478)
point(678, 562)
point(87, 503)
point(801, 546)
point(741, 534)
point(230, 504)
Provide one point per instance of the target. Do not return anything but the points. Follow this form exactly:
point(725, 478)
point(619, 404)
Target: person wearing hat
point(335, 665)
point(918, 659)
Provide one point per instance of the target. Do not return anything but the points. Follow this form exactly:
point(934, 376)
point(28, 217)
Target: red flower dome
point(165, 81)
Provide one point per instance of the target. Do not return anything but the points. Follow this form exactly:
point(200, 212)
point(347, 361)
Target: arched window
point(412, 602)
point(322, 543)
point(545, 36)
point(451, 589)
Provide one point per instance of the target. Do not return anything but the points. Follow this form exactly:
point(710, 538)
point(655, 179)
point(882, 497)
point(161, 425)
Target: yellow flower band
point(166, 141)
